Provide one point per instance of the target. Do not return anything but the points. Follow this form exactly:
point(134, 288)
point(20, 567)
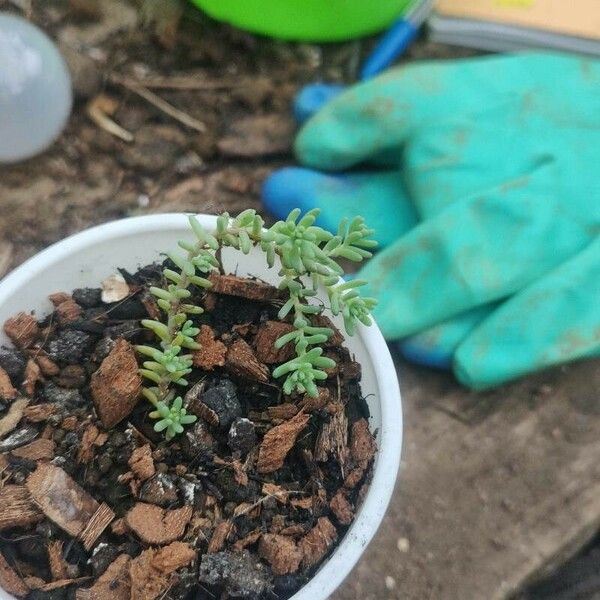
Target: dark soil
point(246, 503)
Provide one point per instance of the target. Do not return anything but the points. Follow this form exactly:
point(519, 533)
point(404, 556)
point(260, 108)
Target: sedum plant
point(309, 257)
point(168, 366)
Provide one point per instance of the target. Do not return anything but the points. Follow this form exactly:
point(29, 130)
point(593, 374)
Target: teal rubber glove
point(481, 179)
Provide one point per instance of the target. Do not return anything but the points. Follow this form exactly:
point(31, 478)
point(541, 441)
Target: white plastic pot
point(89, 257)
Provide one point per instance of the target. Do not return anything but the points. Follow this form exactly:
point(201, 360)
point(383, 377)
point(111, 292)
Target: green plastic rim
point(306, 20)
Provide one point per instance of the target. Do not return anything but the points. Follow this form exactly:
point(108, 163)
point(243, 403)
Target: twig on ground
point(195, 81)
point(98, 110)
point(161, 104)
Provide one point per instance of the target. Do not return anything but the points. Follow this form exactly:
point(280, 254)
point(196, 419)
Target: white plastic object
point(85, 259)
point(35, 90)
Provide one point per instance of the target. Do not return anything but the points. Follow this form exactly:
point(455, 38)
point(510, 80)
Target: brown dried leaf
point(264, 342)
point(15, 414)
point(9, 580)
point(141, 463)
point(155, 525)
point(316, 543)
point(341, 508)
point(278, 441)
point(7, 391)
point(33, 374)
point(22, 329)
point(17, 508)
point(281, 552)
point(113, 584)
point(241, 361)
point(116, 385)
point(38, 450)
point(250, 289)
point(212, 353)
point(61, 499)
point(219, 536)
point(98, 523)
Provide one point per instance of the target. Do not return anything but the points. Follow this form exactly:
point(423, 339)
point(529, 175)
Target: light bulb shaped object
point(35, 90)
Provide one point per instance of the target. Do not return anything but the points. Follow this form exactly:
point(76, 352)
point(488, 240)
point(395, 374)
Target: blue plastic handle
point(391, 45)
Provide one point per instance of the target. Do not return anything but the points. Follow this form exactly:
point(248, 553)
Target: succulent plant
point(309, 258)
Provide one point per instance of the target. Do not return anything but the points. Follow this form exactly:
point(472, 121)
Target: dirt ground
point(237, 89)
point(231, 126)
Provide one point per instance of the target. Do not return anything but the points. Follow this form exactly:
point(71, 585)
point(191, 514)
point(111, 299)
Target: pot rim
point(331, 574)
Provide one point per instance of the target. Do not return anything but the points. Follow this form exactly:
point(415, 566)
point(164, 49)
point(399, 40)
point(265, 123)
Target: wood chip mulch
point(247, 502)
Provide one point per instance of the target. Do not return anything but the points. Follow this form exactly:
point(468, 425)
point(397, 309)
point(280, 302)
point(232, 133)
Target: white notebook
point(503, 25)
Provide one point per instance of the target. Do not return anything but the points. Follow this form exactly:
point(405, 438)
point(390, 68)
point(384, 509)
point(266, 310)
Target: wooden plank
point(496, 488)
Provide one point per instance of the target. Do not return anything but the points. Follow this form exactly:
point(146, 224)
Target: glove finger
point(379, 197)
point(369, 119)
point(313, 97)
point(376, 117)
point(552, 321)
point(435, 346)
point(481, 249)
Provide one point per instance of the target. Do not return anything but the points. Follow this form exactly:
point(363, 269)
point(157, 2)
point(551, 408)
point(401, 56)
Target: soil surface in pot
point(247, 503)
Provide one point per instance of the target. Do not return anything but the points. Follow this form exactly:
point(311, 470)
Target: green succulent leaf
point(171, 418)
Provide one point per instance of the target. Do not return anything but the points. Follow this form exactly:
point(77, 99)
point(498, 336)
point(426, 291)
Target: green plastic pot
point(306, 20)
